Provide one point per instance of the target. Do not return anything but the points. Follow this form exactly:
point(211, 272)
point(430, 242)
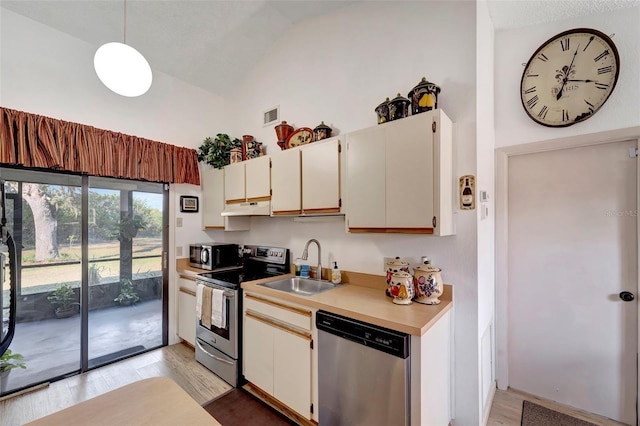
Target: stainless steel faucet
point(305, 256)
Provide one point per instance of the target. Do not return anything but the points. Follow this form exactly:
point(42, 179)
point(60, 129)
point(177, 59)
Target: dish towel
point(205, 317)
point(199, 288)
point(218, 308)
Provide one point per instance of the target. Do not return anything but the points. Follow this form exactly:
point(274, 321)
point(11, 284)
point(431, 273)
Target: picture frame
point(188, 204)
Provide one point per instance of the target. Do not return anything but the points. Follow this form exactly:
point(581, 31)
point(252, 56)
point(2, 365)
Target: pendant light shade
point(122, 69)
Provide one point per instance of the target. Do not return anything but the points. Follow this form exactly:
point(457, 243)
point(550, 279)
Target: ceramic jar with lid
point(283, 130)
point(321, 131)
point(424, 97)
point(401, 288)
point(382, 111)
point(396, 265)
point(428, 283)
point(398, 107)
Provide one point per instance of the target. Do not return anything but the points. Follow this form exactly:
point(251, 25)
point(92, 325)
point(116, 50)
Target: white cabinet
point(248, 181)
point(400, 176)
point(278, 354)
point(212, 182)
point(187, 311)
point(306, 179)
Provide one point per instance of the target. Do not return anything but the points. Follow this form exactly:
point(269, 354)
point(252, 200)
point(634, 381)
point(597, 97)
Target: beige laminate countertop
point(366, 302)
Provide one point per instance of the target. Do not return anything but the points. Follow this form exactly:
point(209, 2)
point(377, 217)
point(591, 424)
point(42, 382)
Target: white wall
point(485, 181)
point(622, 108)
point(338, 68)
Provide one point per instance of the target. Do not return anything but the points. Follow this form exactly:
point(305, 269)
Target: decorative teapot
point(428, 283)
point(401, 288)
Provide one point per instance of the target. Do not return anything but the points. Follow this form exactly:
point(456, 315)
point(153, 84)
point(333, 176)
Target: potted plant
point(127, 294)
point(9, 361)
point(216, 151)
point(129, 227)
point(65, 296)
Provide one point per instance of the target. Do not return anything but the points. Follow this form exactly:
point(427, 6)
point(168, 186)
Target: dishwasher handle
point(373, 336)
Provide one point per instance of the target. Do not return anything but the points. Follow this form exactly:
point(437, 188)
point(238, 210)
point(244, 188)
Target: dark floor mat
point(238, 407)
point(537, 415)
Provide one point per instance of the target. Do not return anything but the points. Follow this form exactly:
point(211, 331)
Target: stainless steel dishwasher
point(363, 373)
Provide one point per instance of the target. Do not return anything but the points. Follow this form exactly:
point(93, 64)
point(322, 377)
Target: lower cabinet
point(187, 315)
point(278, 354)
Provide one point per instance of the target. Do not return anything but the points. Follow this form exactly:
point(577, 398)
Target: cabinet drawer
point(298, 317)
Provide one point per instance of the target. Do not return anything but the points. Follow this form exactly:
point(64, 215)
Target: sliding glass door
point(91, 277)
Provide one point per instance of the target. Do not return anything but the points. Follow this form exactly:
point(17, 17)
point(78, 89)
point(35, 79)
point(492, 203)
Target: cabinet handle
point(187, 291)
point(213, 356)
point(279, 305)
point(278, 325)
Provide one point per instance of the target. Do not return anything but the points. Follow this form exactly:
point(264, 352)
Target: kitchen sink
point(301, 286)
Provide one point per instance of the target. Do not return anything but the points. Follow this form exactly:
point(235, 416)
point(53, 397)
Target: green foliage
point(95, 273)
point(64, 295)
point(9, 361)
point(127, 293)
point(216, 151)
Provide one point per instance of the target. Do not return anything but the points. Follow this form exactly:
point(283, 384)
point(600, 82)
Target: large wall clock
point(569, 77)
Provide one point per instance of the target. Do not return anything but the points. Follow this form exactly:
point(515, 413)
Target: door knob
point(626, 296)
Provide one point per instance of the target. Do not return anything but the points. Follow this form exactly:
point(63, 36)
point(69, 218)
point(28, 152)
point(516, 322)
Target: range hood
point(254, 208)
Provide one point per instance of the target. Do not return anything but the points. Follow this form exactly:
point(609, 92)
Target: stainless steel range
point(220, 349)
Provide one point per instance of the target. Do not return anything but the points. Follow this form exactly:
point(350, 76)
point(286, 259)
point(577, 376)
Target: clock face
point(569, 77)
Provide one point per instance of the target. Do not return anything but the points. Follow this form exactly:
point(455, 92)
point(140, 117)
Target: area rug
point(238, 407)
point(537, 415)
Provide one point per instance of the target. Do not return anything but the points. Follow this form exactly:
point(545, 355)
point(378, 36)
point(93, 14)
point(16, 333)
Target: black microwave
point(214, 255)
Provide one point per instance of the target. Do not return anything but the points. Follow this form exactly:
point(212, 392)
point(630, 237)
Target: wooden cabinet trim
point(285, 212)
point(278, 405)
point(279, 305)
point(236, 201)
point(278, 325)
point(256, 199)
point(324, 210)
point(392, 230)
point(187, 277)
point(187, 291)
point(214, 228)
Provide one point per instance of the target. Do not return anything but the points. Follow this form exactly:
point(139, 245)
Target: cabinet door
point(258, 353)
point(258, 178)
point(409, 173)
point(234, 183)
point(212, 183)
point(292, 370)
point(365, 195)
point(187, 316)
point(321, 177)
point(285, 182)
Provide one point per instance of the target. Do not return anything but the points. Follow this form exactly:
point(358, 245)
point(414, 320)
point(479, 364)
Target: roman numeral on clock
point(605, 69)
point(532, 102)
point(543, 112)
point(564, 44)
point(530, 90)
point(600, 56)
point(542, 57)
point(565, 115)
point(602, 86)
point(590, 105)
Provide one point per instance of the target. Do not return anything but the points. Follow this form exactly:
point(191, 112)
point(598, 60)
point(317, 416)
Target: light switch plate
point(178, 251)
point(178, 222)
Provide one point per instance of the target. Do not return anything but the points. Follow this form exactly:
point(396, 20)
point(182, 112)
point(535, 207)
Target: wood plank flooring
point(176, 362)
point(507, 409)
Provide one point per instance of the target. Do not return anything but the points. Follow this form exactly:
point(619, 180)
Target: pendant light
point(122, 68)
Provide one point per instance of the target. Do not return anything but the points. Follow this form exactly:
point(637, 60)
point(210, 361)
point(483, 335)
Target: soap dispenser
point(336, 276)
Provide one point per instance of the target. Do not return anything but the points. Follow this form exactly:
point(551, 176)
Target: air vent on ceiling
point(271, 116)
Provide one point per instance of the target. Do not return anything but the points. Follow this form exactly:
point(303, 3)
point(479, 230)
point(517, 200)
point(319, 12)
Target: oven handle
point(227, 294)
point(211, 355)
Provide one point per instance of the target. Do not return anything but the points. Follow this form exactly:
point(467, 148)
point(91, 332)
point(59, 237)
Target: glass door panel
point(43, 215)
point(125, 270)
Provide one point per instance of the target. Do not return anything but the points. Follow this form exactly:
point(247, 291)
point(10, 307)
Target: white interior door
point(572, 241)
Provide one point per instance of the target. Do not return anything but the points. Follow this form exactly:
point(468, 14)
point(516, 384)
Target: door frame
point(502, 231)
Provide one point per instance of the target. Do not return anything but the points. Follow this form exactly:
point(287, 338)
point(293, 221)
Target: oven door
point(223, 339)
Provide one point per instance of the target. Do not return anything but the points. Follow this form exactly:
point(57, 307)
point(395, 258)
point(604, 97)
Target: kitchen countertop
point(365, 301)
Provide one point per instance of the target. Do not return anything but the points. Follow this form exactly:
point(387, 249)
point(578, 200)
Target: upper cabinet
point(212, 182)
point(399, 176)
point(248, 181)
point(306, 179)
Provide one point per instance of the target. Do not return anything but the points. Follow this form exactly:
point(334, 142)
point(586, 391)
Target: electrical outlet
point(178, 222)
point(178, 251)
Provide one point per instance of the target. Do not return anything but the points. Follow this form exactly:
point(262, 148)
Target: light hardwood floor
point(176, 362)
point(507, 409)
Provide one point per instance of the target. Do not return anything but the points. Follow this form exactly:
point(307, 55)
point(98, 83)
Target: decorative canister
point(382, 111)
point(428, 283)
point(402, 288)
point(394, 266)
point(283, 130)
point(235, 155)
point(398, 107)
point(424, 97)
point(322, 131)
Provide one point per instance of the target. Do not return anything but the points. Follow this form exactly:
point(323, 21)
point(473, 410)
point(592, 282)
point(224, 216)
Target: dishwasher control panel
point(382, 339)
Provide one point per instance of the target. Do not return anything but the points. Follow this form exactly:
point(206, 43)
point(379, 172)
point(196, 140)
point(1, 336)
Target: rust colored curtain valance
point(32, 140)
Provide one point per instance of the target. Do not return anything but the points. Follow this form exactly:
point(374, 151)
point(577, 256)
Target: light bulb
point(122, 69)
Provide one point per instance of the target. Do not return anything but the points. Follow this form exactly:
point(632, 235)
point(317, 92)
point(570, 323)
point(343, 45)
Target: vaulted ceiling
point(213, 44)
